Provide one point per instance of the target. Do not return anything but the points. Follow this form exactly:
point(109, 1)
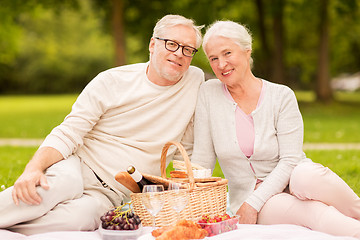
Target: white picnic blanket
point(244, 232)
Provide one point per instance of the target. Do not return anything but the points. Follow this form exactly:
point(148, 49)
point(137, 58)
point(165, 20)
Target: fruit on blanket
point(218, 224)
point(117, 219)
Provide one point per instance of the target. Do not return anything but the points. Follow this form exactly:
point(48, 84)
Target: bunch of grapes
point(218, 223)
point(116, 219)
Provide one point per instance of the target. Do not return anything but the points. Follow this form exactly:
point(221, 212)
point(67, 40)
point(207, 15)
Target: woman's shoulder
point(278, 89)
point(278, 86)
point(279, 95)
point(211, 86)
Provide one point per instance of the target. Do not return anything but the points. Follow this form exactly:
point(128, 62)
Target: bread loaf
point(126, 180)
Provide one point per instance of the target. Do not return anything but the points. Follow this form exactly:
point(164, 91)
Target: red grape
point(115, 219)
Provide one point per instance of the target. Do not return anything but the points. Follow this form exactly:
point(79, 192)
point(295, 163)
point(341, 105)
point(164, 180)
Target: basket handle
point(186, 160)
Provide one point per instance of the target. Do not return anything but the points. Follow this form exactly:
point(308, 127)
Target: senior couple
point(125, 115)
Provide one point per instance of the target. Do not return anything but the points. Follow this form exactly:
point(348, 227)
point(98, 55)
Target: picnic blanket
point(244, 232)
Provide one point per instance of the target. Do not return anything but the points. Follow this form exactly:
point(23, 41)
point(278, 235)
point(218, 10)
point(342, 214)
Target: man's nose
point(178, 52)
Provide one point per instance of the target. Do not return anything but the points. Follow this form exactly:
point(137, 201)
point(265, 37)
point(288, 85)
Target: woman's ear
point(248, 53)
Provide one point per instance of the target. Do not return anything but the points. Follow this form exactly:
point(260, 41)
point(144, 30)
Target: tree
point(263, 64)
point(323, 89)
point(278, 66)
point(118, 31)
point(47, 39)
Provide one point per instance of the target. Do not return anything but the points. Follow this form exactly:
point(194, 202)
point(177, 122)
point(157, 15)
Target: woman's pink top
point(245, 124)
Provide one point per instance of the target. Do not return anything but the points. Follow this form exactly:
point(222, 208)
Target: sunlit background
point(50, 49)
point(54, 46)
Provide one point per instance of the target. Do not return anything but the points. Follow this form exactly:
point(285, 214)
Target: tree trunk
point(278, 73)
point(118, 31)
point(263, 64)
point(323, 89)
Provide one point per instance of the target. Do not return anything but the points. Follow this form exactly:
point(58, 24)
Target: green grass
point(35, 116)
point(339, 122)
point(344, 163)
point(13, 161)
point(335, 122)
point(32, 116)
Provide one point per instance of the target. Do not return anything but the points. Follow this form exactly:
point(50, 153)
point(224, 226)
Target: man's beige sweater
point(122, 118)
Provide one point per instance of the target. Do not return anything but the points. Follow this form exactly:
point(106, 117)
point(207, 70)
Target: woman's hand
point(248, 214)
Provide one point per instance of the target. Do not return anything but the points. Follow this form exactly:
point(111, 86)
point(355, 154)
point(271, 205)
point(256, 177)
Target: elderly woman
point(255, 129)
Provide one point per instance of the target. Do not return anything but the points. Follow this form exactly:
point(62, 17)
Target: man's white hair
point(173, 20)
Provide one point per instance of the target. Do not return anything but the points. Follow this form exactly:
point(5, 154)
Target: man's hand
point(248, 214)
point(25, 187)
point(33, 176)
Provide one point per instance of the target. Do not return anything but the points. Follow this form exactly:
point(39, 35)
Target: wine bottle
point(138, 177)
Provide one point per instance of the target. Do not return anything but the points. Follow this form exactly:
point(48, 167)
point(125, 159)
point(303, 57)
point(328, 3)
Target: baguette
point(127, 181)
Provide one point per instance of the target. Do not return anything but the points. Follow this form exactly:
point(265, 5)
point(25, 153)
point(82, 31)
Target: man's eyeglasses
point(173, 46)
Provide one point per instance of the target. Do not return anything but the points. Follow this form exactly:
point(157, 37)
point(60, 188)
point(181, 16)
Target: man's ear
point(151, 45)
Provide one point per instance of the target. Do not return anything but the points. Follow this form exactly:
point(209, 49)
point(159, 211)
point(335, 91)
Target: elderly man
point(124, 116)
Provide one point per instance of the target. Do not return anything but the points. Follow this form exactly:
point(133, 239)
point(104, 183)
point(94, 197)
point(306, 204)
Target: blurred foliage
point(49, 46)
point(55, 49)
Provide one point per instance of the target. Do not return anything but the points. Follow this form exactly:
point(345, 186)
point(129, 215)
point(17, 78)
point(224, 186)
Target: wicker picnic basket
point(205, 197)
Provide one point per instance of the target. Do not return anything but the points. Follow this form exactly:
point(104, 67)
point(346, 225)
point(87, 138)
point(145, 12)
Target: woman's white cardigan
point(277, 148)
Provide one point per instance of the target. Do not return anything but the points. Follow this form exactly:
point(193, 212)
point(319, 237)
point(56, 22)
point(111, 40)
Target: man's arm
point(33, 176)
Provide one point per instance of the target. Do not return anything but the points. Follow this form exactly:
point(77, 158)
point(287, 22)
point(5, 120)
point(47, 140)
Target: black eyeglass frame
point(178, 46)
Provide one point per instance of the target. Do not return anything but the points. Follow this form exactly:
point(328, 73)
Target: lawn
point(13, 161)
point(35, 116)
point(345, 163)
point(336, 122)
point(32, 116)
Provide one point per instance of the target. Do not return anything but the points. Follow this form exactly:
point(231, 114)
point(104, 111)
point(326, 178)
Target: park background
point(50, 50)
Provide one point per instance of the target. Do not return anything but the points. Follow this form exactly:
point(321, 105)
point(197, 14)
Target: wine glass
point(153, 200)
point(179, 196)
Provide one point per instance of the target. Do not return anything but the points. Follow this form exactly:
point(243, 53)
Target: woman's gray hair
point(173, 20)
point(232, 30)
